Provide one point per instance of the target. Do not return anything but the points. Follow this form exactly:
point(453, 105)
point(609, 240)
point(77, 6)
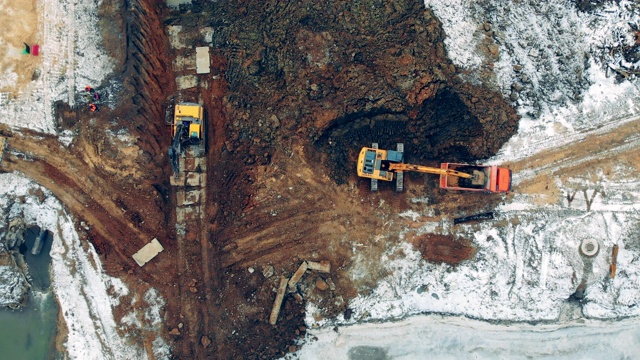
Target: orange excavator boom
point(428, 170)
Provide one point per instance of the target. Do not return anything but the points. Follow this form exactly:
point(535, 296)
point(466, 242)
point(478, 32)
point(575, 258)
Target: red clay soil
point(444, 248)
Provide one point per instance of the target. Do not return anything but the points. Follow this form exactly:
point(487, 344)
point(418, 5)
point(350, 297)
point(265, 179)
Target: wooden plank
point(275, 310)
point(298, 274)
point(614, 260)
point(323, 266)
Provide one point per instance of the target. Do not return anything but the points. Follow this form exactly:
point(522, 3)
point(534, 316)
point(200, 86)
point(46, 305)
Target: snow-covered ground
point(437, 337)
point(528, 262)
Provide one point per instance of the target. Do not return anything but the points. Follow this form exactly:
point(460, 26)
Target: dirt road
point(580, 155)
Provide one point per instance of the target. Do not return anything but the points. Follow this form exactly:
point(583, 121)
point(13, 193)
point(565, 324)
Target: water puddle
point(30, 333)
point(176, 3)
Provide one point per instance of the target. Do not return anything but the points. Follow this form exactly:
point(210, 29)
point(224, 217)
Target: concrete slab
point(174, 37)
point(203, 64)
point(180, 181)
point(148, 252)
point(182, 63)
point(192, 197)
point(194, 179)
point(186, 82)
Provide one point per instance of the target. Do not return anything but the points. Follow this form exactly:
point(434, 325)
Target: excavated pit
point(444, 129)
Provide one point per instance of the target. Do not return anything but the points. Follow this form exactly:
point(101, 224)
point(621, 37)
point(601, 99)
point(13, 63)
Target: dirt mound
point(444, 248)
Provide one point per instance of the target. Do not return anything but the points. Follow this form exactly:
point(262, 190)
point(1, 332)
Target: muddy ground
point(296, 89)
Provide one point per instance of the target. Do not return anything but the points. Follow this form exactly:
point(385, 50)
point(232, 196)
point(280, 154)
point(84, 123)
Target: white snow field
point(444, 338)
point(71, 59)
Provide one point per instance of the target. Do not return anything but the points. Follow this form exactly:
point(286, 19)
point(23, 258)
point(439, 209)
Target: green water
point(29, 334)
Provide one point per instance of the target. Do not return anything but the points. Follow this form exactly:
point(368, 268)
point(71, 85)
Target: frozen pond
point(438, 337)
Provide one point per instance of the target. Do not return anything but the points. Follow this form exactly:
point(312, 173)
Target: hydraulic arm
point(427, 169)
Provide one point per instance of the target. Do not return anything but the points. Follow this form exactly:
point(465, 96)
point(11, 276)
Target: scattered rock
point(174, 331)
point(180, 325)
point(332, 285)
point(205, 341)
point(517, 67)
point(268, 271)
point(251, 270)
point(487, 27)
point(321, 284)
point(493, 49)
point(534, 52)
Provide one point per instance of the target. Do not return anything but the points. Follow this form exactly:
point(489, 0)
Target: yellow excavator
point(377, 164)
point(188, 129)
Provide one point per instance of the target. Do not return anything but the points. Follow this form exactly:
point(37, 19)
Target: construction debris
point(3, 145)
point(148, 252)
point(483, 216)
point(323, 266)
point(39, 243)
point(298, 274)
point(278, 302)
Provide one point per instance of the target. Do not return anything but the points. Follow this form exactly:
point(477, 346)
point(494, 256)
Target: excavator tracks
point(374, 182)
point(400, 174)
